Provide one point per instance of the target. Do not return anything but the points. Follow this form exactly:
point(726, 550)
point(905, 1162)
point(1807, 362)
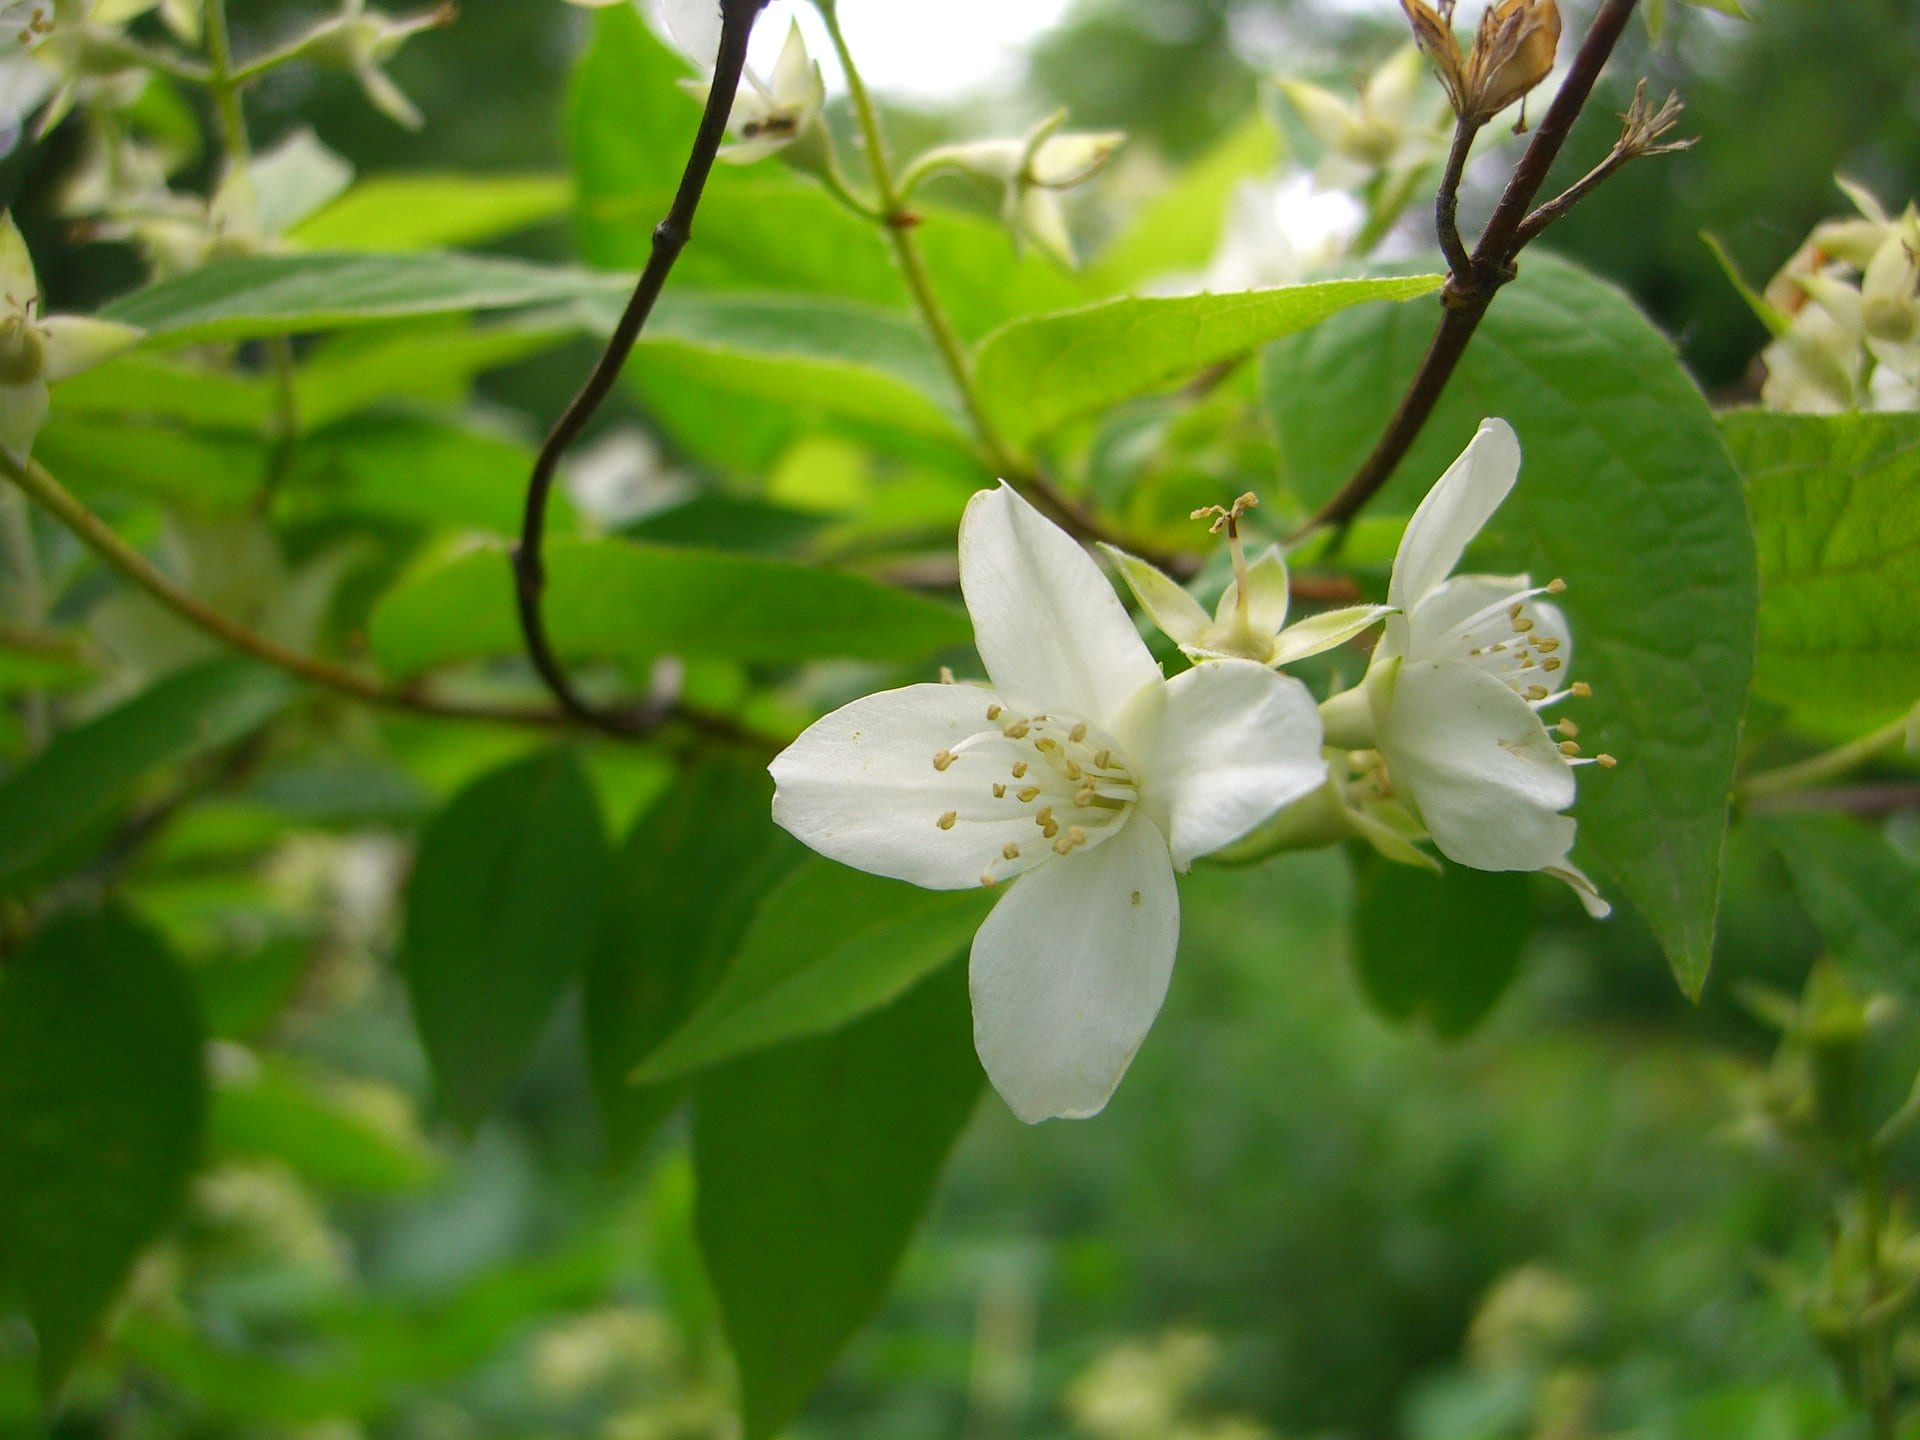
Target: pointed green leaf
point(102, 1105)
point(1444, 946)
point(85, 770)
point(825, 946)
point(1037, 373)
point(1627, 493)
point(613, 599)
point(1836, 513)
point(426, 211)
point(683, 891)
point(1861, 892)
point(813, 1162)
point(504, 906)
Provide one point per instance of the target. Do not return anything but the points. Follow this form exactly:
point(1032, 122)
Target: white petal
point(1267, 593)
point(695, 28)
point(1069, 971)
point(1475, 761)
point(1072, 157)
point(75, 343)
point(1589, 894)
point(1322, 632)
point(1049, 628)
point(1393, 89)
point(1437, 621)
point(1181, 617)
point(23, 410)
point(1219, 749)
point(17, 282)
point(796, 79)
point(1327, 116)
point(1038, 216)
point(860, 787)
point(1453, 512)
point(388, 98)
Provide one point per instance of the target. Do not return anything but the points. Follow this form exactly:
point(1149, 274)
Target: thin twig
point(1446, 203)
point(669, 239)
point(99, 537)
point(1471, 288)
point(1828, 764)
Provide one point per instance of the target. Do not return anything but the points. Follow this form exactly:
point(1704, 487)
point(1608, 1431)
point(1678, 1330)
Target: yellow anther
point(1556, 586)
point(1569, 747)
point(1084, 798)
point(1063, 846)
point(1073, 770)
point(1522, 625)
point(1028, 795)
point(1546, 644)
point(988, 879)
point(1537, 692)
point(946, 821)
point(1515, 610)
point(1050, 830)
point(999, 792)
point(1016, 731)
point(1605, 761)
point(1551, 663)
point(1581, 690)
point(1497, 647)
point(1043, 817)
point(1019, 769)
point(1010, 851)
point(994, 712)
point(1568, 729)
point(946, 675)
point(1078, 732)
point(944, 759)
point(1074, 832)
point(1046, 743)
point(1103, 760)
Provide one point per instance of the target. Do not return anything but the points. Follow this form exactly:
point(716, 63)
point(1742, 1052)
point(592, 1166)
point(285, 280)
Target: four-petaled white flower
point(1034, 169)
point(1387, 128)
point(37, 351)
point(1080, 774)
point(1452, 697)
point(770, 115)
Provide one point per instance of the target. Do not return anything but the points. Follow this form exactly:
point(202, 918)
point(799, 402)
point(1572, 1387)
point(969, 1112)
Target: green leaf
point(425, 211)
point(813, 1162)
point(102, 1104)
point(420, 467)
point(282, 1113)
point(1862, 893)
point(504, 905)
point(250, 297)
point(1838, 529)
point(1445, 946)
point(609, 598)
point(162, 388)
point(434, 361)
point(195, 470)
point(826, 945)
point(87, 769)
point(683, 892)
point(1627, 493)
point(1036, 373)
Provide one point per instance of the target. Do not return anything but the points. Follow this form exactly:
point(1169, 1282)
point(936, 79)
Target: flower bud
point(1512, 53)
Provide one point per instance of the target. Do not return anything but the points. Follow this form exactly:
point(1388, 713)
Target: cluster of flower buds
point(361, 41)
point(1845, 314)
point(1512, 52)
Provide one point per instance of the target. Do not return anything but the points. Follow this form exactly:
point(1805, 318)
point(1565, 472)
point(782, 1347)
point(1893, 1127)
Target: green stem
point(1829, 764)
point(225, 84)
point(29, 600)
point(899, 223)
point(99, 537)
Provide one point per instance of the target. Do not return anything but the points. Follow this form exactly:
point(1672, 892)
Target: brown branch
point(670, 237)
point(1471, 287)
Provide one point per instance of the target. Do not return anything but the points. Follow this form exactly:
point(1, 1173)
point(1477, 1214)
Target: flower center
point(1051, 784)
point(1507, 640)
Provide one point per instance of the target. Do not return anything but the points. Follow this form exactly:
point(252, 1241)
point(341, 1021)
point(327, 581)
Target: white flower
point(769, 116)
point(1080, 774)
point(360, 41)
point(1382, 129)
point(1250, 621)
point(1279, 234)
point(1451, 699)
point(1034, 170)
point(37, 351)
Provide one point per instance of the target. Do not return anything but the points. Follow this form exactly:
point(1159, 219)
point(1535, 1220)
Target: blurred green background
point(1295, 1220)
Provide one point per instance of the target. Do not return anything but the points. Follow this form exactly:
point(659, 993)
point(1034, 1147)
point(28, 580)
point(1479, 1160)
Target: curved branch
point(669, 239)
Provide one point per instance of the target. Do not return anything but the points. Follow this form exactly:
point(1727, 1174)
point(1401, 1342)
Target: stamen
point(988, 879)
point(944, 759)
point(1073, 770)
point(945, 822)
point(1581, 690)
point(1104, 760)
point(1546, 644)
point(1010, 851)
point(1043, 817)
point(1522, 626)
point(946, 675)
point(1046, 743)
point(1556, 586)
point(1078, 732)
point(1016, 731)
point(1551, 664)
point(1605, 761)
point(1569, 747)
point(994, 712)
point(1568, 729)
point(1028, 795)
point(1084, 798)
point(999, 791)
point(1019, 769)
point(1537, 692)
point(1515, 610)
